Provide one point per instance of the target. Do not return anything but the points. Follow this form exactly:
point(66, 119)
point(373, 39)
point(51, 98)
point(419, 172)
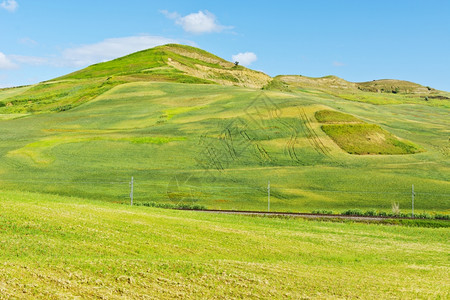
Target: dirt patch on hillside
point(327, 82)
point(201, 57)
point(376, 137)
point(237, 77)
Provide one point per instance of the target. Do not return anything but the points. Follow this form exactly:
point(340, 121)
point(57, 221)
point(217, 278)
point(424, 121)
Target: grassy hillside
point(94, 249)
point(218, 146)
point(218, 140)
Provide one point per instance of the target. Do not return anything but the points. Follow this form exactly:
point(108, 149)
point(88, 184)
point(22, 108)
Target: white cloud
point(197, 23)
point(110, 49)
point(6, 63)
point(245, 59)
point(9, 5)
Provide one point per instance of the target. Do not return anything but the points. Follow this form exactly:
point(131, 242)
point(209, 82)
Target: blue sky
point(355, 40)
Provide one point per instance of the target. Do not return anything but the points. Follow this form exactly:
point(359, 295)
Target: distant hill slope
point(384, 91)
point(376, 86)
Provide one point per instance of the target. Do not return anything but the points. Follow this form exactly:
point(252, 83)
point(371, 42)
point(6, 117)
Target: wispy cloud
point(84, 55)
point(3, 78)
point(197, 23)
point(338, 64)
point(29, 60)
point(170, 15)
point(9, 5)
point(6, 63)
point(245, 59)
point(28, 42)
point(110, 49)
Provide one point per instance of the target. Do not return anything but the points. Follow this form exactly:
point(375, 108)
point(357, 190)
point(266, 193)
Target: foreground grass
point(56, 247)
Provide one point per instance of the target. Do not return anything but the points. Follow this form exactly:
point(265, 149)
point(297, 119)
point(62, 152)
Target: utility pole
point(131, 194)
point(412, 198)
point(268, 196)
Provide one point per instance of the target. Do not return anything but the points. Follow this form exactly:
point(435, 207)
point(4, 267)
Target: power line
point(234, 189)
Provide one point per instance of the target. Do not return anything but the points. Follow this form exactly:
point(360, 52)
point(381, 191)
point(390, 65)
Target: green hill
point(189, 134)
point(168, 63)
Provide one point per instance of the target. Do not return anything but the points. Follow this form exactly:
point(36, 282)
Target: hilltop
point(177, 63)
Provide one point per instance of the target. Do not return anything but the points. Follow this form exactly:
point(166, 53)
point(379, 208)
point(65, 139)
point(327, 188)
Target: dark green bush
point(370, 213)
point(353, 212)
point(441, 217)
point(62, 108)
point(322, 212)
point(172, 206)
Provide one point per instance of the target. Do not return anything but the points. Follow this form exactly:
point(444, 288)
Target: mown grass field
point(332, 116)
point(358, 137)
point(54, 247)
point(218, 146)
point(367, 139)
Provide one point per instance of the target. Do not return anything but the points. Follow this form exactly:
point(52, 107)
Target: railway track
point(302, 215)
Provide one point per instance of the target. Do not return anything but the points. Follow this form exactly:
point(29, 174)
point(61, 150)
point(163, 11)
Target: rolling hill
point(191, 127)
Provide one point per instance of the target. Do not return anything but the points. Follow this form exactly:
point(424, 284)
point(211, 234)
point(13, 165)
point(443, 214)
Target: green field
point(96, 249)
